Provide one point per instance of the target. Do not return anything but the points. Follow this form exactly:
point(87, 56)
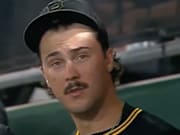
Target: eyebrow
point(53, 54)
point(78, 49)
point(56, 53)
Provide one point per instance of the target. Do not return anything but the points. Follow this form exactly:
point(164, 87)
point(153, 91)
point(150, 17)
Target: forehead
point(72, 36)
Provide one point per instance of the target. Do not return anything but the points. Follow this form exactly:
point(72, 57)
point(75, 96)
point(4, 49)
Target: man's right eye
point(56, 64)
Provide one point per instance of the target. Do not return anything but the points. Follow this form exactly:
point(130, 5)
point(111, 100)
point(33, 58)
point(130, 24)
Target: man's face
point(75, 67)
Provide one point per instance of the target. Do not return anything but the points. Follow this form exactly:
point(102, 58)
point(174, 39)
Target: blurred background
point(144, 33)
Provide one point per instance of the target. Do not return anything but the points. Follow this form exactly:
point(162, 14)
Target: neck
point(100, 119)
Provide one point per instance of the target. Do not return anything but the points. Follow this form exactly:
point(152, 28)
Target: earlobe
point(43, 74)
point(110, 68)
point(47, 82)
point(109, 55)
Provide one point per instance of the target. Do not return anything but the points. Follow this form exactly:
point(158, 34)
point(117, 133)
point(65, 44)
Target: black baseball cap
point(62, 11)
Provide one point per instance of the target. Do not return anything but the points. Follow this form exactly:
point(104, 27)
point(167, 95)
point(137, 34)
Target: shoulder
point(147, 123)
point(151, 122)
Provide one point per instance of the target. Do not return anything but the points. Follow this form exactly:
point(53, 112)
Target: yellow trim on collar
point(124, 125)
point(77, 133)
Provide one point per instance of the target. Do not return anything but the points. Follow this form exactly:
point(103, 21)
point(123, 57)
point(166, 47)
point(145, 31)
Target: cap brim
point(36, 28)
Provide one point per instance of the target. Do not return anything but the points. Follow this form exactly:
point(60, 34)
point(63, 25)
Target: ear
point(44, 76)
point(109, 59)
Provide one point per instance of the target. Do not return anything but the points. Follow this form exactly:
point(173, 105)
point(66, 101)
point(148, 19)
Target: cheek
point(96, 76)
point(55, 82)
point(93, 71)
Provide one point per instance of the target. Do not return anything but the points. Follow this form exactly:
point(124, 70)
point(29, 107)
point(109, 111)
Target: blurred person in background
point(4, 129)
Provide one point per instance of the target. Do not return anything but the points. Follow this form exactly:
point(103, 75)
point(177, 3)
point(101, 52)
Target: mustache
point(77, 84)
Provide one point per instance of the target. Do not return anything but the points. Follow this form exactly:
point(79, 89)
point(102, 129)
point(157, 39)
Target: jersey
point(136, 121)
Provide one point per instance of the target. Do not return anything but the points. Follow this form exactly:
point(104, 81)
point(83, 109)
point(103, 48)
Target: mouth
point(75, 88)
point(75, 91)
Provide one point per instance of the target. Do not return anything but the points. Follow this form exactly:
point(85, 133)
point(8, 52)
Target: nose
point(71, 72)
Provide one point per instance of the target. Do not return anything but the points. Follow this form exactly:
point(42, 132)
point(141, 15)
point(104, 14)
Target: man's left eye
point(81, 57)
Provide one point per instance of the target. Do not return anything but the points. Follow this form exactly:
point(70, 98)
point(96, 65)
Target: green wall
point(160, 98)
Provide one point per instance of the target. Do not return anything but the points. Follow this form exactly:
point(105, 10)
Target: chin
point(79, 109)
